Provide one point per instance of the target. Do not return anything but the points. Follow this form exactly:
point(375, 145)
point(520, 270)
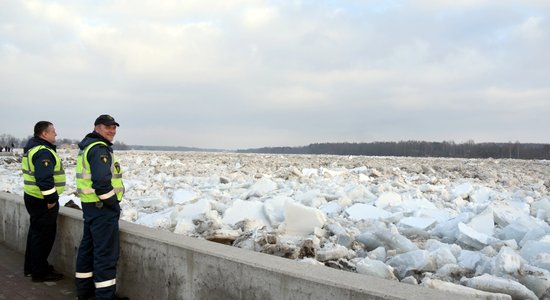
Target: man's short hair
point(40, 127)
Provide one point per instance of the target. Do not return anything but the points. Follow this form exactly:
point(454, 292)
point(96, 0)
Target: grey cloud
point(250, 73)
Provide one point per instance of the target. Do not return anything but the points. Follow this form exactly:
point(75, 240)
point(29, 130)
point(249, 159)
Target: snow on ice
point(474, 226)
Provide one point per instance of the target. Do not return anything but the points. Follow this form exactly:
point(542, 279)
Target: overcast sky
point(243, 73)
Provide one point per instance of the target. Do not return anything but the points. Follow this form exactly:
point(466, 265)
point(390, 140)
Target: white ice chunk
point(482, 195)
point(307, 172)
point(378, 254)
point(342, 236)
point(311, 198)
point(507, 261)
point(361, 211)
point(152, 202)
point(418, 222)
point(376, 268)
point(442, 256)
point(448, 230)
point(535, 279)
point(517, 229)
point(469, 259)
point(129, 214)
point(534, 234)
point(192, 210)
point(370, 241)
point(462, 190)
point(541, 205)
point(537, 253)
point(468, 236)
point(464, 290)
point(241, 210)
point(416, 204)
point(161, 219)
point(490, 283)
point(394, 240)
point(417, 260)
point(333, 253)
point(483, 222)
point(331, 208)
point(262, 187)
point(184, 226)
point(302, 220)
point(274, 209)
point(182, 196)
point(388, 199)
point(507, 212)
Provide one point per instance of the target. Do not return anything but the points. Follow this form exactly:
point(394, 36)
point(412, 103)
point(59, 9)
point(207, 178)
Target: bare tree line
point(469, 149)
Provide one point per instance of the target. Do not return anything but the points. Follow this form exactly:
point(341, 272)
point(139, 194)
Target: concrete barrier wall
point(162, 265)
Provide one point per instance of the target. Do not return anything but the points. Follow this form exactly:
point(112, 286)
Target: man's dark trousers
point(41, 235)
point(98, 251)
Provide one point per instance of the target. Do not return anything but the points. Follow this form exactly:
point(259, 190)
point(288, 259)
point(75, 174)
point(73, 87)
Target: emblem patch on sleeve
point(104, 158)
point(46, 162)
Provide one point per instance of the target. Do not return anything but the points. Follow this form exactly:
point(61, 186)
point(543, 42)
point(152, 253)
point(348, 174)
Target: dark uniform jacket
point(100, 159)
point(44, 163)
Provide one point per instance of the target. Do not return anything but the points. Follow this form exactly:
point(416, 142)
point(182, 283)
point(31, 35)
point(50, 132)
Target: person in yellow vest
point(43, 182)
point(100, 188)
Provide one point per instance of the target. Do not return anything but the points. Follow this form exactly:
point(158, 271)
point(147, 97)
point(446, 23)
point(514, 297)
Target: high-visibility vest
point(29, 181)
point(84, 176)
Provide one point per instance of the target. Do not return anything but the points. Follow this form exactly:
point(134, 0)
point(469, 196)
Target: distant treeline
point(469, 149)
point(419, 149)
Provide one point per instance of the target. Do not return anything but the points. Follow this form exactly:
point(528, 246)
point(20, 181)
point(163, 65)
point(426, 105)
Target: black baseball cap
point(106, 120)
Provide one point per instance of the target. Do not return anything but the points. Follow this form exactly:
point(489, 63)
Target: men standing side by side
point(100, 188)
point(44, 181)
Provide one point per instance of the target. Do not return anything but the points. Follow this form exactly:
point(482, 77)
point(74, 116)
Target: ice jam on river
point(472, 226)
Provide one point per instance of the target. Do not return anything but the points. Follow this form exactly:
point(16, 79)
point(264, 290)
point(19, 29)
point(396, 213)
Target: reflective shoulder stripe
point(106, 283)
point(107, 195)
point(49, 192)
point(83, 275)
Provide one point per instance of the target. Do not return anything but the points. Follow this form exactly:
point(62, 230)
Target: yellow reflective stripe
point(60, 183)
point(83, 275)
point(28, 182)
point(28, 172)
point(61, 172)
point(107, 195)
point(117, 175)
point(85, 191)
point(106, 283)
point(118, 190)
point(49, 192)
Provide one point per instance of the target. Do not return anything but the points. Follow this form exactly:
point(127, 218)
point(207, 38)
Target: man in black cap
point(100, 188)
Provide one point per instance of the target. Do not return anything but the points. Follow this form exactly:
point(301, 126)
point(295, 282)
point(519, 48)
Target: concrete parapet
point(162, 265)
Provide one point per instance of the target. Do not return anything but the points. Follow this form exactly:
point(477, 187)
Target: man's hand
point(51, 205)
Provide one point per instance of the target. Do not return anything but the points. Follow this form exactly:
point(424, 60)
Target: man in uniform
point(43, 182)
point(99, 186)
